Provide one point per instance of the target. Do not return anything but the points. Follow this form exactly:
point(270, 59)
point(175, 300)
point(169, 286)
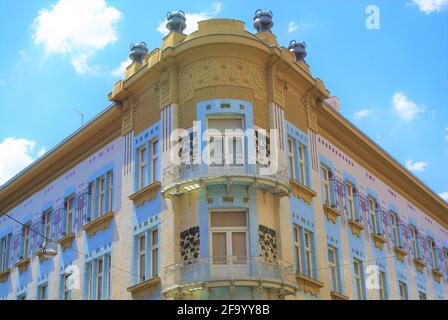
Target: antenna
point(81, 114)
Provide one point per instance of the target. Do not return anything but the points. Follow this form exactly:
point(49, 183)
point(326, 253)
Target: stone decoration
point(189, 245)
point(268, 243)
point(222, 71)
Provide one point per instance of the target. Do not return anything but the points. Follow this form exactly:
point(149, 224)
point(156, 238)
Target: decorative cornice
point(301, 191)
point(308, 284)
point(23, 263)
point(146, 194)
point(5, 274)
point(338, 296)
point(355, 227)
point(331, 213)
point(400, 253)
point(420, 265)
point(148, 284)
point(100, 223)
point(379, 240)
point(66, 241)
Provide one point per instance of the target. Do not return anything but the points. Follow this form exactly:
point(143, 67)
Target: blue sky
point(392, 82)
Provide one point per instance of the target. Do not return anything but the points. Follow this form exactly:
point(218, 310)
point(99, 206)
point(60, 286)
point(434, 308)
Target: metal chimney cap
point(263, 20)
point(176, 21)
point(138, 51)
point(299, 49)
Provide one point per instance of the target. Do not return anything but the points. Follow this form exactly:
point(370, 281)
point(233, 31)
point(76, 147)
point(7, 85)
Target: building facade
point(222, 170)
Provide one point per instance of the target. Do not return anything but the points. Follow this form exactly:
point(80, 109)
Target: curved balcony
point(231, 272)
point(180, 179)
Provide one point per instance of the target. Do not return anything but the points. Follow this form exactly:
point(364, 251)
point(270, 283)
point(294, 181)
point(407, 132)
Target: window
point(229, 236)
point(325, 175)
point(334, 269)
point(5, 251)
point(446, 258)
point(90, 189)
point(26, 240)
point(99, 278)
point(110, 190)
point(382, 286)
point(147, 263)
point(291, 158)
point(358, 278)
point(66, 293)
point(372, 213)
point(297, 249)
point(308, 250)
point(421, 295)
point(154, 157)
point(46, 220)
point(395, 229)
point(227, 142)
point(350, 200)
point(432, 253)
point(142, 167)
point(42, 292)
point(101, 196)
point(155, 253)
point(98, 274)
point(302, 165)
point(414, 241)
point(141, 251)
point(89, 275)
point(403, 290)
point(69, 213)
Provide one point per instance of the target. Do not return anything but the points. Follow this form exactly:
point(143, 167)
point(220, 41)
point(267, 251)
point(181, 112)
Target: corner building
point(109, 214)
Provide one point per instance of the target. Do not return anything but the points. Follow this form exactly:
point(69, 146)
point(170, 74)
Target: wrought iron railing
point(209, 269)
point(179, 173)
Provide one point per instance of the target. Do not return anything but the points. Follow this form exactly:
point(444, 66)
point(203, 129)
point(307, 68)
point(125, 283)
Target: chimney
point(176, 21)
point(263, 21)
point(299, 49)
point(333, 102)
point(138, 52)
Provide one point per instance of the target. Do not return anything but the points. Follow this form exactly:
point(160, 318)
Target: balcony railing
point(229, 271)
point(186, 177)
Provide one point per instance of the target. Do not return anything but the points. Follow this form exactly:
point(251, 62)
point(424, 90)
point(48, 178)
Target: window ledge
point(5, 274)
point(98, 224)
point(308, 284)
point(66, 241)
point(301, 191)
point(356, 227)
point(338, 296)
point(332, 213)
point(146, 194)
point(401, 253)
point(23, 263)
point(437, 275)
point(379, 240)
point(145, 285)
point(419, 264)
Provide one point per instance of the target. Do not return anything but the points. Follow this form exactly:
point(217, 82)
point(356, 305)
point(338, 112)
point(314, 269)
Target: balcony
point(183, 279)
point(183, 178)
point(46, 250)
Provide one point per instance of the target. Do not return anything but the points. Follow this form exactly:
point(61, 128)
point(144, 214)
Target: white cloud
point(194, 18)
point(77, 29)
point(405, 108)
point(444, 196)
point(121, 69)
point(429, 6)
point(416, 166)
point(15, 155)
point(292, 26)
point(362, 113)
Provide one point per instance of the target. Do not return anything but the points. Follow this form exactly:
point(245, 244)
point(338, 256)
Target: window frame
point(358, 279)
point(301, 152)
point(382, 281)
point(142, 167)
point(5, 251)
point(154, 159)
point(154, 253)
point(326, 185)
point(350, 200)
point(291, 158)
point(69, 212)
point(403, 290)
point(297, 248)
point(373, 214)
point(229, 236)
point(141, 257)
point(26, 240)
point(335, 284)
point(308, 252)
